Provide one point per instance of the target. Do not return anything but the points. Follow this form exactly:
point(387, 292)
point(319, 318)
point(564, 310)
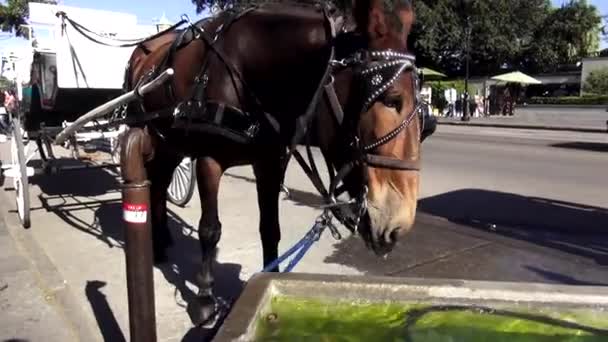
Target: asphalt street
point(495, 204)
point(496, 173)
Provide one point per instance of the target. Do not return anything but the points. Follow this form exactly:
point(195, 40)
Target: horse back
point(154, 56)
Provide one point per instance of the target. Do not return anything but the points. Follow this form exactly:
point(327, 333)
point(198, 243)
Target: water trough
point(560, 312)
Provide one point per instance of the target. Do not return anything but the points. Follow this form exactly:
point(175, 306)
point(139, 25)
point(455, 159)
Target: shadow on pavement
point(90, 182)
point(65, 199)
point(584, 146)
point(569, 227)
point(562, 278)
point(530, 213)
point(487, 235)
point(106, 321)
point(298, 197)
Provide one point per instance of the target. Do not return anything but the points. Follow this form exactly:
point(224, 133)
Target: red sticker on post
point(135, 213)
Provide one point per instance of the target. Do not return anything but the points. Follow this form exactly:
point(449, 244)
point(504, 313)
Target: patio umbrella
point(431, 74)
point(516, 77)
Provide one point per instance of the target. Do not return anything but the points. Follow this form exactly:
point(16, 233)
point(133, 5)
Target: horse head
point(376, 147)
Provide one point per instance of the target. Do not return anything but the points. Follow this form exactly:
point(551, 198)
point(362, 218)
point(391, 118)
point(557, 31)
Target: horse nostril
point(394, 236)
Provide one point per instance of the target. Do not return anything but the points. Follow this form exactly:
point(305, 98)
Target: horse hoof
point(204, 311)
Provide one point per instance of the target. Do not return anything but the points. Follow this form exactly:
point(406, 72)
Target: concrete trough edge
point(239, 325)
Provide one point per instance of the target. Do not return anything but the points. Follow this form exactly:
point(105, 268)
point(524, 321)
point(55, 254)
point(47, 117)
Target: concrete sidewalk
point(28, 306)
point(592, 120)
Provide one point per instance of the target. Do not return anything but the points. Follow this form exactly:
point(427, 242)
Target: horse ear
point(370, 18)
point(377, 27)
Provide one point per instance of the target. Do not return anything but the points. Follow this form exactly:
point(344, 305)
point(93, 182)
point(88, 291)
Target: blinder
point(376, 71)
point(382, 69)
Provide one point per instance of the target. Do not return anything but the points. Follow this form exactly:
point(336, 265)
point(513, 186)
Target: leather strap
point(378, 161)
point(303, 122)
point(334, 103)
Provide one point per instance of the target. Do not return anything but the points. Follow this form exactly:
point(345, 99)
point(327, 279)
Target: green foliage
point(597, 82)
point(498, 31)
point(530, 35)
point(570, 100)
point(568, 34)
point(5, 83)
point(13, 14)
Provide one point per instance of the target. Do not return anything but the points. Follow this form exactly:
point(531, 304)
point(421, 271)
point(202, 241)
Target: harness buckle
point(252, 131)
point(338, 63)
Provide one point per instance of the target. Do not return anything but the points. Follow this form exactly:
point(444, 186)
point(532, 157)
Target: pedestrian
point(11, 106)
point(450, 97)
point(506, 96)
point(458, 107)
point(10, 101)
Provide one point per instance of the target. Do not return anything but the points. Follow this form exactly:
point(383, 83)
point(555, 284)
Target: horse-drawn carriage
point(74, 69)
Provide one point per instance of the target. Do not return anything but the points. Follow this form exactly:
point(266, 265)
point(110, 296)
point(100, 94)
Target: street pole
point(139, 255)
point(467, 47)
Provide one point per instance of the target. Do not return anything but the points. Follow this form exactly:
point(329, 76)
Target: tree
point(499, 31)
point(14, 13)
point(530, 35)
point(567, 34)
point(5, 83)
point(604, 29)
point(597, 82)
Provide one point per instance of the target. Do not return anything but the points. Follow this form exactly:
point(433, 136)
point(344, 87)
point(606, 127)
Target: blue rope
point(301, 247)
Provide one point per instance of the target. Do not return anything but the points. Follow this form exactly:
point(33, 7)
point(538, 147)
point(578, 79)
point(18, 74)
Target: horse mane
point(334, 8)
point(288, 3)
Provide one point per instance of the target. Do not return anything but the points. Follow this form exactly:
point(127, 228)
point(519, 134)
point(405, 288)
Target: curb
point(516, 126)
point(561, 106)
point(50, 281)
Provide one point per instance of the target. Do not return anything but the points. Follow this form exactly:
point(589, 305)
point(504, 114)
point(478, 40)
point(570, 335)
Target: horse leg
point(160, 172)
point(209, 173)
point(268, 182)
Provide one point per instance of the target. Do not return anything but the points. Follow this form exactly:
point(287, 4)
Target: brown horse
point(248, 84)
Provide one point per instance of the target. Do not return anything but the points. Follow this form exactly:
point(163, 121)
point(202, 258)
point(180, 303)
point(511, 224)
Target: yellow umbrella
point(516, 77)
point(430, 73)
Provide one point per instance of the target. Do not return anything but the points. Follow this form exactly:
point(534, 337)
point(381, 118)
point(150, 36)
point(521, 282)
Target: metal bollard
point(138, 252)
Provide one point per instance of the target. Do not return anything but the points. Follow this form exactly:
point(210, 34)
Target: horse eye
point(393, 102)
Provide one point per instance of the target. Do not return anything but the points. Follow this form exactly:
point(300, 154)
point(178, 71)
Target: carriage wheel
point(20, 179)
point(115, 150)
point(182, 185)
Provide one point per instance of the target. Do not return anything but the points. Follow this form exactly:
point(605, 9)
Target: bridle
point(376, 71)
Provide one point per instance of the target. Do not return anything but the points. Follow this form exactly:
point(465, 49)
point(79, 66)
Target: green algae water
point(293, 319)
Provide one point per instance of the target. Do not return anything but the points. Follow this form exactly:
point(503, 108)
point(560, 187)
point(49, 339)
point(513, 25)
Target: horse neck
point(283, 55)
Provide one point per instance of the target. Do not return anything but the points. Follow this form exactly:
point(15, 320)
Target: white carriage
point(69, 75)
